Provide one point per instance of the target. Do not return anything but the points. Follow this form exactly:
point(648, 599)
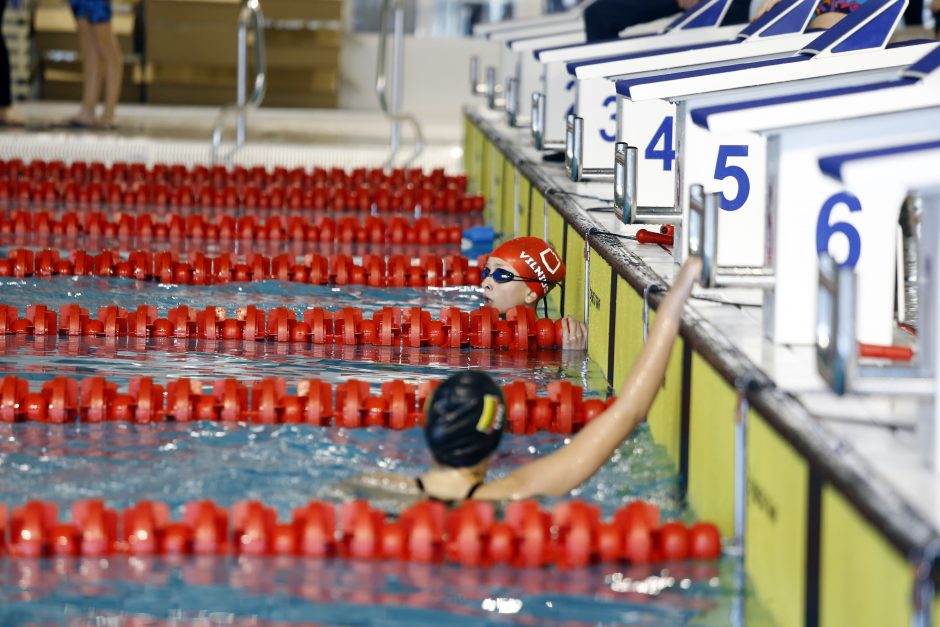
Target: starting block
point(809, 212)
point(601, 118)
point(525, 70)
point(654, 109)
point(888, 174)
point(507, 31)
point(555, 98)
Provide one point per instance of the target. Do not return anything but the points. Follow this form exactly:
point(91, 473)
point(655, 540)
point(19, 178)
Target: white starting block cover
point(568, 25)
point(517, 61)
point(698, 25)
point(859, 38)
point(489, 29)
point(812, 213)
point(775, 34)
point(881, 179)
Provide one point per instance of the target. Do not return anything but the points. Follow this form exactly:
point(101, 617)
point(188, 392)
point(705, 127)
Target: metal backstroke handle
point(703, 242)
point(512, 100)
point(494, 90)
point(626, 186)
point(702, 239)
point(476, 87)
point(837, 343)
point(625, 180)
point(393, 111)
point(537, 124)
point(572, 162)
point(574, 154)
point(537, 121)
point(835, 325)
point(251, 16)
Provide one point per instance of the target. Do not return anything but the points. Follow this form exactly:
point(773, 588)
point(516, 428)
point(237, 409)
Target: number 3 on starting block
point(605, 134)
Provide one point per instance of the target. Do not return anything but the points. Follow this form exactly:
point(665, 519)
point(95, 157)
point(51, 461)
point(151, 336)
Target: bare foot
point(9, 117)
point(82, 119)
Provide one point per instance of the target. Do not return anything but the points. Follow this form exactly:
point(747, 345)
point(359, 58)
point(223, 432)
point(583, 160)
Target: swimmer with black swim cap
point(465, 417)
point(522, 271)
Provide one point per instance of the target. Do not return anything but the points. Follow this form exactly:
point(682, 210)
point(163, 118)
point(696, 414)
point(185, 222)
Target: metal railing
point(393, 110)
point(249, 16)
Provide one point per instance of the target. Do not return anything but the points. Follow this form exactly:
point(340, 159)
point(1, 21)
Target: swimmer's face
point(505, 296)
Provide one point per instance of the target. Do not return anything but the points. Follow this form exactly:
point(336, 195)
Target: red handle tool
point(650, 237)
point(897, 353)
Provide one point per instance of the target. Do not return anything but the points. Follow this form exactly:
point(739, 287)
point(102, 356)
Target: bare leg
point(91, 74)
point(109, 54)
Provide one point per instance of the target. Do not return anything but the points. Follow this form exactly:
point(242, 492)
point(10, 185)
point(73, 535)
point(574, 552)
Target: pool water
point(286, 466)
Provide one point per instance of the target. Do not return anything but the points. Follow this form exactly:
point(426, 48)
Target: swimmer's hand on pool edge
point(558, 473)
point(573, 334)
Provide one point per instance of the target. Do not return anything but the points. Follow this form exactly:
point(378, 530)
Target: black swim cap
point(465, 419)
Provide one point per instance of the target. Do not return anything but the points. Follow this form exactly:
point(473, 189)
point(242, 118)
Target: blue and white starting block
point(808, 212)
point(555, 98)
point(887, 174)
point(593, 129)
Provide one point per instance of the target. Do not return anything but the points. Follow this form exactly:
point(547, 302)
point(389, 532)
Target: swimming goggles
point(501, 275)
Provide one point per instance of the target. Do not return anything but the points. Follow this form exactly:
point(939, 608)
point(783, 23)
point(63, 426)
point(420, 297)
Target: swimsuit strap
point(470, 492)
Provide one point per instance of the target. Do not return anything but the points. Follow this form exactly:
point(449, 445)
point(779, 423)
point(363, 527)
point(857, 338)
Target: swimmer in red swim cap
point(522, 271)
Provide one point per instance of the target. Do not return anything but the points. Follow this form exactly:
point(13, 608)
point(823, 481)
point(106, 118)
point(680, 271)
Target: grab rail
point(250, 14)
point(381, 80)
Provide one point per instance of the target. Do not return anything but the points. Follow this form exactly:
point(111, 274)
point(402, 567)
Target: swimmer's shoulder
point(383, 484)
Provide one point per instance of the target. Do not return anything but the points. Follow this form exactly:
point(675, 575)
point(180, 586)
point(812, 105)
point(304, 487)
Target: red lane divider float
point(147, 226)
point(196, 268)
point(14, 170)
point(135, 186)
point(571, 535)
point(412, 327)
point(150, 348)
point(350, 404)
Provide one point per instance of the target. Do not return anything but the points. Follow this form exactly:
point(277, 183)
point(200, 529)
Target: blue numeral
point(569, 87)
point(607, 137)
point(723, 171)
point(825, 230)
point(667, 154)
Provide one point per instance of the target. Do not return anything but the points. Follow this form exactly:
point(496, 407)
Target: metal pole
point(923, 592)
point(240, 118)
point(398, 56)
point(649, 289)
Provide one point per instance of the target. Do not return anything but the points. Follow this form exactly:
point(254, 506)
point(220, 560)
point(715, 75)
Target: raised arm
point(556, 474)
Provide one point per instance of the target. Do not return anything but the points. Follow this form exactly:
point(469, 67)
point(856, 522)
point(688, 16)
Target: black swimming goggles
point(501, 275)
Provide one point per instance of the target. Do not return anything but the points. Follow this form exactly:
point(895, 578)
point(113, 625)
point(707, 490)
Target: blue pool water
point(287, 465)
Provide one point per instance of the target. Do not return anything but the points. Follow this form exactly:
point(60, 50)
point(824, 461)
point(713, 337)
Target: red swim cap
point(533, 258)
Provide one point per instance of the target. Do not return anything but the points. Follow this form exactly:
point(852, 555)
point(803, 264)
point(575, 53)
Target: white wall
point(437, 75)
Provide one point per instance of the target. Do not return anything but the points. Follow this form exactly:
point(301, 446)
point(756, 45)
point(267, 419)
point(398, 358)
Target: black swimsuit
point(448, 503)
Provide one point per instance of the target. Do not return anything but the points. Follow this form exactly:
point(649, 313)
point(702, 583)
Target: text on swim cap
point(530, 261)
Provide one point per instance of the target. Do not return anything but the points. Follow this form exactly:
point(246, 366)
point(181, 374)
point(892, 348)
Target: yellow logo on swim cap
point(492, 415)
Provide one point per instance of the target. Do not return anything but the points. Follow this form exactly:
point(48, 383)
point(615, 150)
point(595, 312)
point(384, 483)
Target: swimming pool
point(285, 466)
